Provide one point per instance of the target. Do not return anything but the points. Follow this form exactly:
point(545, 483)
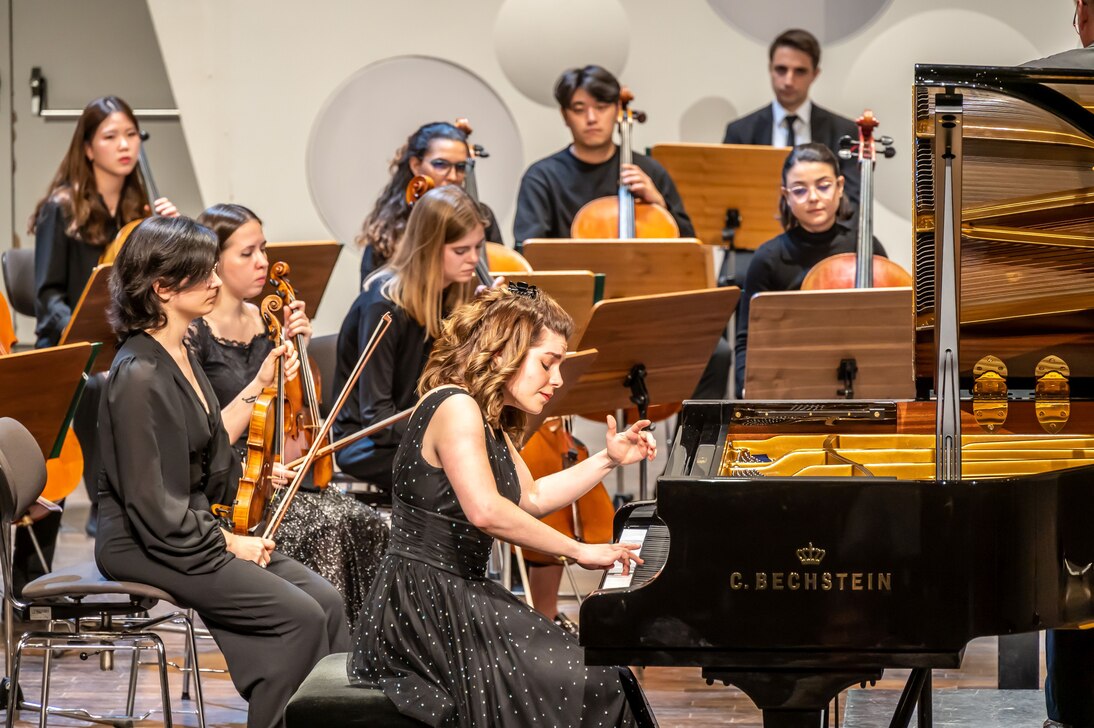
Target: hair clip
point(524, 289)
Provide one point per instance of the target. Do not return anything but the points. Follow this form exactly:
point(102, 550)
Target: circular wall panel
point(371, 114)
point(830, 20)
point(536, 41)
point(704, 122)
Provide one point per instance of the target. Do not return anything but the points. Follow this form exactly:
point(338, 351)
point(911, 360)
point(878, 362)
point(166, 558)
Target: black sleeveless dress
point(450, 647)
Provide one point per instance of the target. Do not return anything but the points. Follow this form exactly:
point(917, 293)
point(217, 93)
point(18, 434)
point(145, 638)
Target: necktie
point(791, 119)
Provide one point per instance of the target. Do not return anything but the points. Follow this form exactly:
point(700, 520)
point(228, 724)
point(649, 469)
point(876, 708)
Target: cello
point(265, 433)
point(861, 269)
point(622, 216)
point(301, 393)
point(111, 251)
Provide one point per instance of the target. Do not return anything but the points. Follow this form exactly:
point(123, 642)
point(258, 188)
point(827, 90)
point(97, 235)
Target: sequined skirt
point(455, 651)
point(338, 538)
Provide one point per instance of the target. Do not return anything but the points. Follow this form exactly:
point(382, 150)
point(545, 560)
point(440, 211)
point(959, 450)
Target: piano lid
point(1027, 247)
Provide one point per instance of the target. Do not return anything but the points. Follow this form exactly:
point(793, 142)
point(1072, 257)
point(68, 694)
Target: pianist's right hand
point(607, 555)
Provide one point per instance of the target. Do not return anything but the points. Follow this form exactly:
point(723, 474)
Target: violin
point(861, 269)
point(622, 216)
point(553, 448)
point(63, 473)
point(301, 393)
point(265, 434)
point(110, 252)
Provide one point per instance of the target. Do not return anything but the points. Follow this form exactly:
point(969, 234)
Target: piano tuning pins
point(1052, 393)
point(989, 393)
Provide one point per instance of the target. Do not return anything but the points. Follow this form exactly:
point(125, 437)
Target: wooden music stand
point(51, 381)
point(640, 267)
point(575, 290)
point(311, 264)
point(652, 347)
point(88, 321)
point(713, 178)
point(798, 339)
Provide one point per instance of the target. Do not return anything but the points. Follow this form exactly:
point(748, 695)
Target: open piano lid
point(1027, 244)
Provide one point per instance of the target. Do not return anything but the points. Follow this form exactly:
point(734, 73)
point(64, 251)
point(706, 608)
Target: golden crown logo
point(810, 555)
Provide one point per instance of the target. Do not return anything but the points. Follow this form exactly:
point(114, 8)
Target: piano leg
point(791, 698)
point(916, 693)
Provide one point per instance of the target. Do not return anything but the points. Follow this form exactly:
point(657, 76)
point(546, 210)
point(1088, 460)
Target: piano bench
point(326, 698)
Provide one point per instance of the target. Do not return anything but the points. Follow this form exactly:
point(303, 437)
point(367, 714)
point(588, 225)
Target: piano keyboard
point(654, 540)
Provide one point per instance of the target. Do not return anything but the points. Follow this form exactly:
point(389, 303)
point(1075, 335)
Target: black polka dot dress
point(448, 646)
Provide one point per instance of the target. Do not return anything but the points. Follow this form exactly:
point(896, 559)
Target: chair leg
point(524, 576)
point(13, 691)
point(189, 655)
point(134, 670)
point(47, 669)
point(192, 649)
point(165, 688)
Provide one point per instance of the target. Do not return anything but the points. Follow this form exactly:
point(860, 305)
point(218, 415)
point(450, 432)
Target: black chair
point(326, 698)
point(18, 265)
point(323, 350)
point(83, 609)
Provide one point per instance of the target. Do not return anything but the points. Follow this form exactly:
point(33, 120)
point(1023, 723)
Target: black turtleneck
point(781, 264)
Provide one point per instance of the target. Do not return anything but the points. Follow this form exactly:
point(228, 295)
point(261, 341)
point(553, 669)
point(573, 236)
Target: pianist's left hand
point(633, 444)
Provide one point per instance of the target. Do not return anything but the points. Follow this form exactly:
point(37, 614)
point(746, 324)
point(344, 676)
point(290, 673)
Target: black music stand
point(311, 264)
point(50, 382)
point(652, 350)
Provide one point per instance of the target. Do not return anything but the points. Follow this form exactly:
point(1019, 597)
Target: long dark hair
point(73, 186)
point(174, 252)
point(224, 219)
point(384, 226)
point(812, 152)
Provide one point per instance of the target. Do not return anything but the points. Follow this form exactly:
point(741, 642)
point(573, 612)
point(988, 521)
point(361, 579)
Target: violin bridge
point(989, 392)
point(1053, 393)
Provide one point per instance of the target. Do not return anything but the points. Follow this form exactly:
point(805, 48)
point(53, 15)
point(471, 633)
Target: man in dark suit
point(792, 118)
point(1069, 653)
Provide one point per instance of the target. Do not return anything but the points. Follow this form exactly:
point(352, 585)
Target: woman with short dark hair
point(167, 459)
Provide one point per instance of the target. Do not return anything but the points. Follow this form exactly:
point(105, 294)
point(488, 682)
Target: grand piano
point(798, 548)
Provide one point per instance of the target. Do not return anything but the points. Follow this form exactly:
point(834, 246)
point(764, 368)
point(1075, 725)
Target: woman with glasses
point(438, 151)
point(814, 215)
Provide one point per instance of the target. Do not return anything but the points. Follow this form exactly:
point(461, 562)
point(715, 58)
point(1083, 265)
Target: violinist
point(815, 214)
point(438, 150)
point(555, 188)
point(445, 644)
point(327, 531)
point(94, 192)
point(432, 272)
point(167, 457)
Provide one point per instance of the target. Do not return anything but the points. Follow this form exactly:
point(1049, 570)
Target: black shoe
point(1050, 723)
point(566, 623)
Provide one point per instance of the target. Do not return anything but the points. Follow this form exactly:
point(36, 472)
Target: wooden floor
point(679, 696)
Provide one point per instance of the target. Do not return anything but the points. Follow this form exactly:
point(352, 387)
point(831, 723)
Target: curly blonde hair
point(483, 344)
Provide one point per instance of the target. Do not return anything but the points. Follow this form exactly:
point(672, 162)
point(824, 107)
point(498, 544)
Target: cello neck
point(867, 155)
point(146, 174)
point(626, 199)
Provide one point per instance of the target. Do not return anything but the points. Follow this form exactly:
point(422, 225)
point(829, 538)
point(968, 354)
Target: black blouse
point(166, 461)
point(62, 266)
point(389, 383)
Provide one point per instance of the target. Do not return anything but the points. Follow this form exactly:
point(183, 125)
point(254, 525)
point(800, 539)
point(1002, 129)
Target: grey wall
point(85, 49)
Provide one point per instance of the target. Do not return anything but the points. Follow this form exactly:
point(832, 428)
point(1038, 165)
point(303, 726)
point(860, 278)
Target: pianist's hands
point(606, 555)
point(633, 444)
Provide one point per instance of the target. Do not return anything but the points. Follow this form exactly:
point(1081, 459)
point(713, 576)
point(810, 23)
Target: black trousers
point(273, 625)
point(1069, 685)
point(712, 385)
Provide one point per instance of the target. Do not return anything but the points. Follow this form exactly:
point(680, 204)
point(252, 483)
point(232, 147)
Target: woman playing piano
point(445, 644)
point(438, 151)
point(167, 457)
point(814, 215)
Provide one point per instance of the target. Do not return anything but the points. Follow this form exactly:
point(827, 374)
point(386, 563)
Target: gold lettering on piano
point(869, 581)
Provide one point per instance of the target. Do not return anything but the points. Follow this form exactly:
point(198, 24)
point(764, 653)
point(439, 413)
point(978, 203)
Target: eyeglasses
point(443, 166)
point(824, 188)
